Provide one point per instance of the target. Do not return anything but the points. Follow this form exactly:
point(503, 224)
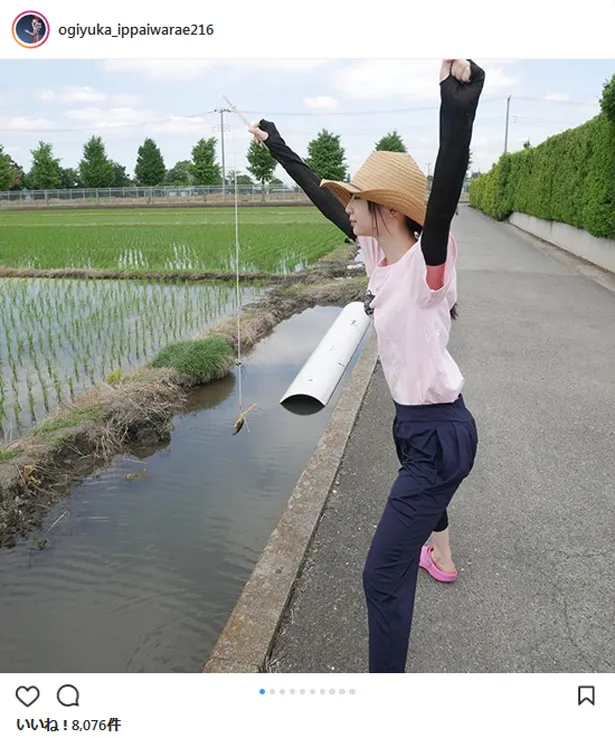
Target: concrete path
point(533, 528)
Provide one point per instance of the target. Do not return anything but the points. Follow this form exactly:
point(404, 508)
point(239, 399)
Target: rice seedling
point(273, 240)
point(71, 333)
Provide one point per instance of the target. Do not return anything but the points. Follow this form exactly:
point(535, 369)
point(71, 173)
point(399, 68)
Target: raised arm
point(308, 180)
point(459, 101)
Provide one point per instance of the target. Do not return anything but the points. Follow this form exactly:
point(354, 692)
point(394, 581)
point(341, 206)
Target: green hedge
point(570, 178)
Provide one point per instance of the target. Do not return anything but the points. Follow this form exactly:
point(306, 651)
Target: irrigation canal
point(139, 569)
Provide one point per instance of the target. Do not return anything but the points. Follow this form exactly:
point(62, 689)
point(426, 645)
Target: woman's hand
point(461, 84)
point(260, 136)
point(458, 68)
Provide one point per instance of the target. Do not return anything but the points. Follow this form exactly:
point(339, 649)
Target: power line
point(215, 111)
point(107, 127)
point(302, 114)
point(322, 113)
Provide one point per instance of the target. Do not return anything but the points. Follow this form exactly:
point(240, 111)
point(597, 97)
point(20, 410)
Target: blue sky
point(65, 102)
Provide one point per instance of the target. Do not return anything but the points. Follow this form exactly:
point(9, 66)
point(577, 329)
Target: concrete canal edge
point(249, 634)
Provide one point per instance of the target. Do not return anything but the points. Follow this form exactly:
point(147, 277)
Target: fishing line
point(241, 420)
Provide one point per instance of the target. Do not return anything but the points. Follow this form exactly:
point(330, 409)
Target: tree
point(16, 173)
point(96, 169)
point(46, 172)
point(69, 178)
point(261, 164)
point(6, 171)
point(326, 156)
point(120, 176)
point(527, 144)
point(205, 169)
point(180, 174)
point(243, 180)
point(150, 169)
point(391, 142)
point(607, 100)
point(470, 157)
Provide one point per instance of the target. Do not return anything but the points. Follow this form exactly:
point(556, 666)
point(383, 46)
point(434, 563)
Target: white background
point(523, 29)
point(230, 705)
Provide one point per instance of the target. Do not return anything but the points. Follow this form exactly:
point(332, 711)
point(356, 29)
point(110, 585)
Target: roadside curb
point(249, 634)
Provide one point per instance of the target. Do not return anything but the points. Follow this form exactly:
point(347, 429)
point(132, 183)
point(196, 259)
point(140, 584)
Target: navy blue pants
point(436, 446)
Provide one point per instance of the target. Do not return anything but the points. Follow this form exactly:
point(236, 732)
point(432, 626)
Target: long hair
point(413, 227)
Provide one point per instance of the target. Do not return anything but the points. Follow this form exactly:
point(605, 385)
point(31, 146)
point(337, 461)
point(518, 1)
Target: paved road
point(533, 528)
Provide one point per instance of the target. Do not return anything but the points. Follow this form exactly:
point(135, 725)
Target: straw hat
point(388, 178)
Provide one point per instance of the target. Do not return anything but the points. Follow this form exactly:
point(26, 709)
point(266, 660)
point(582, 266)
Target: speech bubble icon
point(587, 694)
point(68, 696)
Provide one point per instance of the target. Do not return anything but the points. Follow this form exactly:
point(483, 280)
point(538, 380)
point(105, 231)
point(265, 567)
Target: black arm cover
point(457, 113)
point(309, 182)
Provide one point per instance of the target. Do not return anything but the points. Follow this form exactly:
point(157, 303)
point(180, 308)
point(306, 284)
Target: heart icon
point(27, 695)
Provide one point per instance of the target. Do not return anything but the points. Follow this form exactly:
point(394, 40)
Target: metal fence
point(161, 196)
point(144, 196)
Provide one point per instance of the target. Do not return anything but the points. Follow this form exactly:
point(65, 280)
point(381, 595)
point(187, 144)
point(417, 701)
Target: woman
point(410, 259)
point(37, 27)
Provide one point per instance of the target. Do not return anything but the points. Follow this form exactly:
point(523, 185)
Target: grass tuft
point(205, 360)
point(75, 416)
point(8, 454)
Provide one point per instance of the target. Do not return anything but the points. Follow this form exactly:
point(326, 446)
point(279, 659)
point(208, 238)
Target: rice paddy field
point(273, 240)
point(60, 336)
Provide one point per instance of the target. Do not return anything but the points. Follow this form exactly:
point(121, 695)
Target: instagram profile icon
point(30, 29)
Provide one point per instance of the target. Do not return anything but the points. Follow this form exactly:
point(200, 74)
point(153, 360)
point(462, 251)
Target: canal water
point(140, 573)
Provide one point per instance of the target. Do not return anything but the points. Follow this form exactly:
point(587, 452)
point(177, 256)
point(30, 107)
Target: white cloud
point(187, 126)
point(85, 94)
point(410, 79)
point(324, 102)
point(557, 97)
point(186, 70)
point(121, 117)
point(23, 123)
point(133, 121)
point(383, 78)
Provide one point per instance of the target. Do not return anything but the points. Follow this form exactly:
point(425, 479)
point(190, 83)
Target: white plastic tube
point(312, 388)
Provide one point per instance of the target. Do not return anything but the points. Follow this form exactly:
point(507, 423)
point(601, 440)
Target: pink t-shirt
point(412, 324)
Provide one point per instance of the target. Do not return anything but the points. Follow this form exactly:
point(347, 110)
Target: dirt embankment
point(40, 468)
point(208, 202)
point(247, 278)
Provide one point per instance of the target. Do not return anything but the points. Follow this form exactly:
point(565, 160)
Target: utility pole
point(507, 120)
point(222, 128)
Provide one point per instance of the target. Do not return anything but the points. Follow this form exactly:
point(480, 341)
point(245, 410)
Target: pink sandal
point(426, 562)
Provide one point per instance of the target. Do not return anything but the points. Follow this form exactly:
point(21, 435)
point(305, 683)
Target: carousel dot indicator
point(262, 691)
